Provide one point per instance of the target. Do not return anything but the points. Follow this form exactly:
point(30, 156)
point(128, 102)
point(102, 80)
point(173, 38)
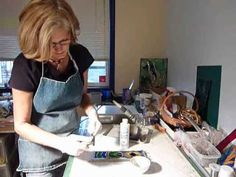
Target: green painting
point(209, 77)
point(153, 73)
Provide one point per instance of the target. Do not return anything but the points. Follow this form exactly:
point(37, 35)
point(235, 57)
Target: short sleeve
point(82, 57)
point(25, 74)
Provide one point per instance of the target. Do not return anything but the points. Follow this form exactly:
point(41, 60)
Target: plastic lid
point(214, 167)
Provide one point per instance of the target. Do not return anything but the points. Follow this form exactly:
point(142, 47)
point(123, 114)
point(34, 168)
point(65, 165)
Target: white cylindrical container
point(124, 134)
point(226, 171)
point(215, 168)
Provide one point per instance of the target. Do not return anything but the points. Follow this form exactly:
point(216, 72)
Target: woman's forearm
point(22, 102)
point(85, 101)
point(36, 134)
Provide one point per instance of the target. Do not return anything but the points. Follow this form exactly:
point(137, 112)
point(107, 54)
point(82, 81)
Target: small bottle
point(124, 134)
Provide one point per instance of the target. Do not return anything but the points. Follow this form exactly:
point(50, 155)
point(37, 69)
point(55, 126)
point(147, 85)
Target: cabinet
point(8, 155)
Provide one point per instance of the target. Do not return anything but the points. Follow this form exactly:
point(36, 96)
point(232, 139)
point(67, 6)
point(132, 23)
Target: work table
point(166, 161)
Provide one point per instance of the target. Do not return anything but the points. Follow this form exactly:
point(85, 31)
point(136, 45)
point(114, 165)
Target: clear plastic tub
point(203, 151)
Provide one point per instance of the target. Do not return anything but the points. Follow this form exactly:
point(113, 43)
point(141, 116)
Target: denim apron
point(53, 110)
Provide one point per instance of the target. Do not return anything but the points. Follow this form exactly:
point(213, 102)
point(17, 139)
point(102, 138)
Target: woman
point(48, 81)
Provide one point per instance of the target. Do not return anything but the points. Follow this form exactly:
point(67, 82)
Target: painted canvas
point(117, 155)
point(153, 74)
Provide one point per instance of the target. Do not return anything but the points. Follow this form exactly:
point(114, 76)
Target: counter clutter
point(165, 159)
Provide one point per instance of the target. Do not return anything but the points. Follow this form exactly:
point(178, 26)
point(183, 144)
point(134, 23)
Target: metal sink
point(111, 114)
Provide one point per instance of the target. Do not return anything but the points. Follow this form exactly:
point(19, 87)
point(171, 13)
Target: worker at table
point(48, 81)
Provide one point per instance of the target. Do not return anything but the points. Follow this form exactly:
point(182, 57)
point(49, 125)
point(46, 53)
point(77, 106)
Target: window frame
point(100, 84)
point(111, 62)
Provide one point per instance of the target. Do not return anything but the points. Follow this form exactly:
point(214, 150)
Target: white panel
point(92, 14)
point(9, 12)
point(9, 47)
point(94, 23)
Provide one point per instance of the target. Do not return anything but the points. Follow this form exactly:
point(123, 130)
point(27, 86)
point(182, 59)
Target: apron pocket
point(35, 157)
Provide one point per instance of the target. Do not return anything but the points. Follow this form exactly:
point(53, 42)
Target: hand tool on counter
point(103, 132)
point(126, 111)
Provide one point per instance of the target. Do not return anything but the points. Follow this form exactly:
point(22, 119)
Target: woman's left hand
point(94, 126)
point(94, 123)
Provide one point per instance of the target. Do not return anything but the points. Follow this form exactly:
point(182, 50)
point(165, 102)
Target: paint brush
point(93, 141)
point(131, 85)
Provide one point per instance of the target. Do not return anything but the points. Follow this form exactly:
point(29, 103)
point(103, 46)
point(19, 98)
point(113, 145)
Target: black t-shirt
point(26, 73)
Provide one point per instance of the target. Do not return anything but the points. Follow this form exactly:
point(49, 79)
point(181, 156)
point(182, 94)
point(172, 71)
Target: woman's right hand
point(73, 144)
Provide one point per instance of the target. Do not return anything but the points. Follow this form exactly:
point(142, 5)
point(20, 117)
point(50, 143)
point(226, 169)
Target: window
point(94, 17)
point(98, 74)
point(5, 71)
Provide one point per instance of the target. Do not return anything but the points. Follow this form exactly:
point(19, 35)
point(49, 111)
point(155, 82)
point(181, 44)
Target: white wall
point(203, 32)
point(139, 33)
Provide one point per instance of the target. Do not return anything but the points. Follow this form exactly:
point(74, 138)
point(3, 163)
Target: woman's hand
point(73, 144)
point(94, 124)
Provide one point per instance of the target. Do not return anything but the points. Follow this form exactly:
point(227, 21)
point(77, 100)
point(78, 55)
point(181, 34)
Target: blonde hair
point(38, 20)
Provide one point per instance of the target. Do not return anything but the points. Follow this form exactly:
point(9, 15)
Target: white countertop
point(166, 161)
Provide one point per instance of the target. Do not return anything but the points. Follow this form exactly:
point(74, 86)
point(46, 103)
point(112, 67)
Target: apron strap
point(70, 57)
point(42, 69)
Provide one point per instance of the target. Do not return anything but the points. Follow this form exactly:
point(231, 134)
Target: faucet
point(143, 133)
point(126, 111)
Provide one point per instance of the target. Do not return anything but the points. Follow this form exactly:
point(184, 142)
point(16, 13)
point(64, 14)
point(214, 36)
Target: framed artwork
point(153, 74)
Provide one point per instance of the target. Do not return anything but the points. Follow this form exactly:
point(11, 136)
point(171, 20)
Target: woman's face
point(60, 42)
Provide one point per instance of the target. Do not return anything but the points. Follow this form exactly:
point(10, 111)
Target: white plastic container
point(226, 171)
point(145, 99)
point(124, 134)
point(203, 151)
